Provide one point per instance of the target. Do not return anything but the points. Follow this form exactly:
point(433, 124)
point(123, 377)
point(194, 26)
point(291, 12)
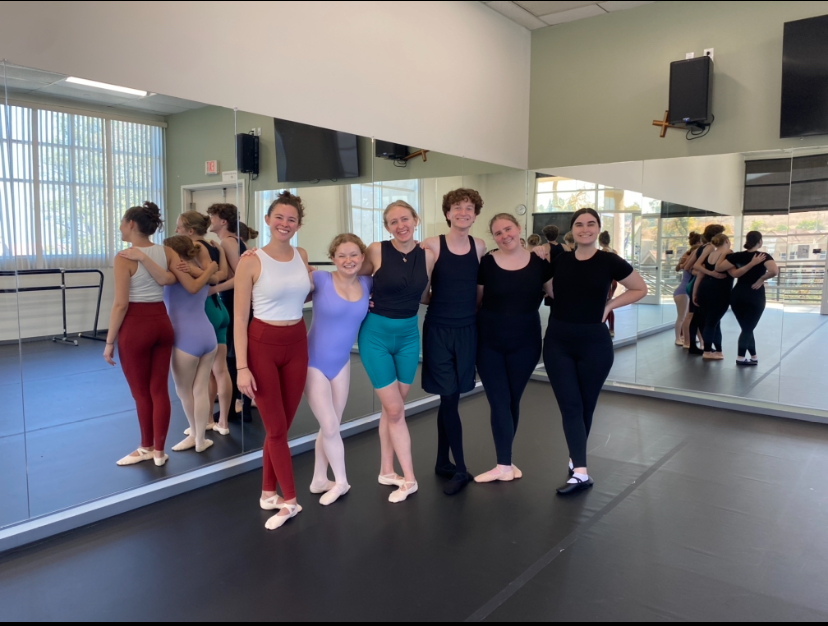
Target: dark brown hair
point(345, 238)
point(147, 218)
point(753, 239)
point(288, 199)
point(458, 195)
point(195, 221)
point(183, 246)
point(711, 230)
point(604, 239)
point(227, 212)
point(534, 240)
point(551, 232)
point(503, 216)
point(246, 233)
point(694, 238)
point(587, 211)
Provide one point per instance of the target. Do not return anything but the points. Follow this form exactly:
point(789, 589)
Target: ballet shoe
point(318, 490)
point(277, 521)
point(161, 462)
point(680, 343)
point(391, 480)
point(401, 494)
point(208, 443)
point(334, 494)
point(497, 474)
point(143, 455)
point(445, 471)
point(187, 444)
point(518, 473)
point(221, 431)
point(271, 504)
point(211, 425)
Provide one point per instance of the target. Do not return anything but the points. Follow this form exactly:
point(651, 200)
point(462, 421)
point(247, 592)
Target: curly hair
point(711, 230)
point(227, 212)
point(147, 218)
point(345, 238)
point(183, 246)
point(246, 233)
point(288, 199)
point(551, 232)
point(459, 195)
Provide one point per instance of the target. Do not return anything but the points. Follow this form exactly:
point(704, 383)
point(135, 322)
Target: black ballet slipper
point(446, 471)
point(457, 483)
point(581, 485)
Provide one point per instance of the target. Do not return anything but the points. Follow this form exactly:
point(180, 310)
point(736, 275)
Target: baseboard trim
point(47, 526)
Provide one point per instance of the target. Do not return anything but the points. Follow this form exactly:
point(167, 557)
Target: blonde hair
point(345, 238)
point(183, 246)
point(395, 204)
point(503, 216)
point(195, 221)
point(720, 240)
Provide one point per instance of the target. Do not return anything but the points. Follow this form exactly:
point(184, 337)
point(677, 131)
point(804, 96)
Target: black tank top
point(454, 287)
point(400, 282)
point(215, 256)
point(723, 285)
point(227, 296)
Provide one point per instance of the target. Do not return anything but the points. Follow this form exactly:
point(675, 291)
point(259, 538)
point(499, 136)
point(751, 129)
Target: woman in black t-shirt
point(753, 269)
point(510, 287)
point(578, 352)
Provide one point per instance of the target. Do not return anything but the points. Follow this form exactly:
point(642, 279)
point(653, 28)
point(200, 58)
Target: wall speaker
point(247, 154)
point(388, 150)
point(691, 82)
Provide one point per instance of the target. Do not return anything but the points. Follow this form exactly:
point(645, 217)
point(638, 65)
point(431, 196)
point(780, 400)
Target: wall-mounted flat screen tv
point(309, 153)
point(805, 78)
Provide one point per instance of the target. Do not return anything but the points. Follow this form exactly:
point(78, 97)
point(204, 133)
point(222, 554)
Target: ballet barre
point(63, 288)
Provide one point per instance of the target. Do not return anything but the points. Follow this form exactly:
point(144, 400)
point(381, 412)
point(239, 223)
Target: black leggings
point(748, 306)
point(450, 432)
point(715, 301)
point(247, 403)
point(508, 351)
point(578, 359)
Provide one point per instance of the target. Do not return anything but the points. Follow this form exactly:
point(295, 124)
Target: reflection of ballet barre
point(63, 289)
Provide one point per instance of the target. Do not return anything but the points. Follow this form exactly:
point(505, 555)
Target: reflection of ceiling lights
point(92, 83)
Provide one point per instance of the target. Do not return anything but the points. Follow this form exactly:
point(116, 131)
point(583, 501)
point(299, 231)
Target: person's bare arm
point(159, 274)
point(191, 284)
point(245, 277)
point(479, 296)
point(772, 270)
point(304, 255)
point(700, 269)
point(431, 259)
point(738, 272)
point(373, 260)
point(636, 289)
point(548, 288)
point(119, 306)
point(230, 245)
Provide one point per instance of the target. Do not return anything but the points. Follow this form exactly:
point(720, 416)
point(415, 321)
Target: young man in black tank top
point(450, 329)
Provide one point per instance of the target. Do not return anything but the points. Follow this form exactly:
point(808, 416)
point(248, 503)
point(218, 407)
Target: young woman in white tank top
point(140, 325)
point(272, 349)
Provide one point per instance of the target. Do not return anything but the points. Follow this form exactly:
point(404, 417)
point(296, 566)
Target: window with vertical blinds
point(65, 181)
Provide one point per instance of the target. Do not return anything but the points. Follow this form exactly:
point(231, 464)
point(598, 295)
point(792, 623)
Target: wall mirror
point(80, 154)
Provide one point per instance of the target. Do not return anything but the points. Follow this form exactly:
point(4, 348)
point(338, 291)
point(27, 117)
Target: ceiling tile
point(573, 14)
point(517, 14)
point(33, 77)
point(620, 5)
point(71, 92)
point(546, 8)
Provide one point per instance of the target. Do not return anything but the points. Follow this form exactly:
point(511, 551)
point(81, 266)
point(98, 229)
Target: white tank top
point(279, 294)
point(142, 286)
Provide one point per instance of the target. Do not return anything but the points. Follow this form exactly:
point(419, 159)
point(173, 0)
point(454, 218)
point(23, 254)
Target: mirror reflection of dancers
point(753, 269)
point(681, 296)
point(272, 348)
point(194, 225)
point(604, 241)
point(340, 304)
point(450, 329)
point(698, 319)
point(142, 328)
point(578, 351)
point(712, 294)
point(511, 285)
point(389, 339)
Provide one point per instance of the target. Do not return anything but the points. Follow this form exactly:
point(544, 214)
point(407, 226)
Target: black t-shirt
point(513, 292)
point(582, 287)
point(740, 259)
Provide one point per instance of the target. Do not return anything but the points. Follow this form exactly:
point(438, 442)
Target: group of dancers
point(482, 317)
point(706, 292)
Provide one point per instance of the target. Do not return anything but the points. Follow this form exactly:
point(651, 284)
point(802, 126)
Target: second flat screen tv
point(309, 153)
point(805, 78)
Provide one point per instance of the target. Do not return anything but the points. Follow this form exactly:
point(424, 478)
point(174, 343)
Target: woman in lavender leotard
point(340, 303)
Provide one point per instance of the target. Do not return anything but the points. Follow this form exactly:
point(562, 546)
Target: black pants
point(714, 298)
point(247, 403)
point(578, 359)
point(748, 306)
point(508, 351)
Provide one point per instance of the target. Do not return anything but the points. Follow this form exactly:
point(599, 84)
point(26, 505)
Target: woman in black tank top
point(389, 339)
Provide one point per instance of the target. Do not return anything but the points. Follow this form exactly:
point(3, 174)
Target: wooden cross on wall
point(664, 124)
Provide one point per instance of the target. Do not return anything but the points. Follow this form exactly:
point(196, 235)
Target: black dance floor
point(697, 514)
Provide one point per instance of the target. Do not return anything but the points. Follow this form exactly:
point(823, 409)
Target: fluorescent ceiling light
point(92, 83)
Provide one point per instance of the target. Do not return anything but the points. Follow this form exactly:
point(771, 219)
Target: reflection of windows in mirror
point(72, 177)
point(368, 202)
point(558, 194)
point(263, 201)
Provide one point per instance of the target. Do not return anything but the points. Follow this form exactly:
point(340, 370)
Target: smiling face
point(348, 258)
point(586, 229)
point(283, 221)
point(216, 223)
point(462, 214)
point(506, 234)
point(401, 223)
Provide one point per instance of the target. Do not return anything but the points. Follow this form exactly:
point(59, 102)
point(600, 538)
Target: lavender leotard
point(194, 334)
point(686, 277)
point(335, 324)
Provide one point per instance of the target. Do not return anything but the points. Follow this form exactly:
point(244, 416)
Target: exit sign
point(211, 168)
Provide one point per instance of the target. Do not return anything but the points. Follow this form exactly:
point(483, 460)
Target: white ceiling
point(27, 81)
point(533, 15)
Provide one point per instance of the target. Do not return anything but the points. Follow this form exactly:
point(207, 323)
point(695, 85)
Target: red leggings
point(145, 345)
point(278, 359)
